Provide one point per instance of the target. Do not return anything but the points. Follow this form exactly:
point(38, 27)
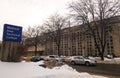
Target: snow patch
point(33, 70)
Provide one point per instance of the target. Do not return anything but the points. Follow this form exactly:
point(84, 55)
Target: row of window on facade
point(75, 43)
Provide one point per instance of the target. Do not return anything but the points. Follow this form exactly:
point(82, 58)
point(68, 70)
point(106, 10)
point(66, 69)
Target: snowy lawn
point(109, 61)
point(33, 70)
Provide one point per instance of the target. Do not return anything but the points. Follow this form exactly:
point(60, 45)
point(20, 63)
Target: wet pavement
point(107, 70)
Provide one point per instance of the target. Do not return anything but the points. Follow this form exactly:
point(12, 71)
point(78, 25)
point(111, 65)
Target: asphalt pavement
point(108, 70)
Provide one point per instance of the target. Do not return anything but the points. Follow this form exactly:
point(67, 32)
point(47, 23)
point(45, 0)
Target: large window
point(73, 44)
point(110, 48)
point(109, 40)
point(89, 43)
point(79, 43)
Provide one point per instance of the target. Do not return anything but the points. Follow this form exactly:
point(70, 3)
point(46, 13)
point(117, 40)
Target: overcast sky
point(29, 12)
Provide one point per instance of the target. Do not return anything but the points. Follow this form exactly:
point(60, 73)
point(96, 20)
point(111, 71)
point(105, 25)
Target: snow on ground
point(115, 60)
point(33, 70)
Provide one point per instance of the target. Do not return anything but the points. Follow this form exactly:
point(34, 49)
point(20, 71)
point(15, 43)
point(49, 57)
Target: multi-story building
point(77, 41)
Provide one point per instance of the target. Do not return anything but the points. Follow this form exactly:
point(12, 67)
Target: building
point(0, 48)
point(30, 48)
point(77, 41)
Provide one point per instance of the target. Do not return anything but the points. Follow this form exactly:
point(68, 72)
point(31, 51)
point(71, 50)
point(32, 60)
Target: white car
point(82, 60)
point(54, 57)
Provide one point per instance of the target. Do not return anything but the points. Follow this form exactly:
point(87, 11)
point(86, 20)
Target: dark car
point(36, 58)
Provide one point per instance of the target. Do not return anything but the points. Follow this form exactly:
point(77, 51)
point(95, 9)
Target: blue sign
point(12, 33)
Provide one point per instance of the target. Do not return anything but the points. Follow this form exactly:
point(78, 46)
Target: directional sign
point(12, 33)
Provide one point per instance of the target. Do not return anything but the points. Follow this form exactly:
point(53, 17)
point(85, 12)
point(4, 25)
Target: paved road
point(108, 70)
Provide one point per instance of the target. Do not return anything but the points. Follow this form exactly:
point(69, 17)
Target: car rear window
point(51, 56)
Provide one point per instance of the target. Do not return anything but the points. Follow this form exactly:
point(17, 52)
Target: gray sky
point(29, 12)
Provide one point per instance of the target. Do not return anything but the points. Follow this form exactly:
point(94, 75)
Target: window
point(51, 56)
point(110, 47)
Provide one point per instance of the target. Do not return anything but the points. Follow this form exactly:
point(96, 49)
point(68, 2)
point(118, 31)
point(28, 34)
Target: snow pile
point(64, 67)
point(33, 70)
point(106, 59)
point(112, 61)
point(116, 60)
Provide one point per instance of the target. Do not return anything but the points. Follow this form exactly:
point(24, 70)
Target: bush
point(52, 63)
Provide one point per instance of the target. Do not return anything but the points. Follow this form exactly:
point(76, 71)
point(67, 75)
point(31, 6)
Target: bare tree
point(33, 36)
point(55, 24)
point(94, 14)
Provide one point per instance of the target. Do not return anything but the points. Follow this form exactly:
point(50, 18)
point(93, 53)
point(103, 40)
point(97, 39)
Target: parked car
point(109, 56)
point(36, 58)
point(82, 60)
point(68, 58)
point(54, 57)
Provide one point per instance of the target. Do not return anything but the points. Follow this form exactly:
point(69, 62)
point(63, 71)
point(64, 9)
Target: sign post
point(12, 36)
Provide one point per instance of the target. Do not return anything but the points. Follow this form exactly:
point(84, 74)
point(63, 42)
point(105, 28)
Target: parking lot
point(109, 67)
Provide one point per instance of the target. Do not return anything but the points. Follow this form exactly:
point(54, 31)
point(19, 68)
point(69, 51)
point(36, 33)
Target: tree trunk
point(35, 50)
point(58, 50)
point(102, 56)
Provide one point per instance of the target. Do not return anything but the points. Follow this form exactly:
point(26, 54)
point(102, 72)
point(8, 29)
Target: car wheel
point(87, 63)
point(73, 63)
